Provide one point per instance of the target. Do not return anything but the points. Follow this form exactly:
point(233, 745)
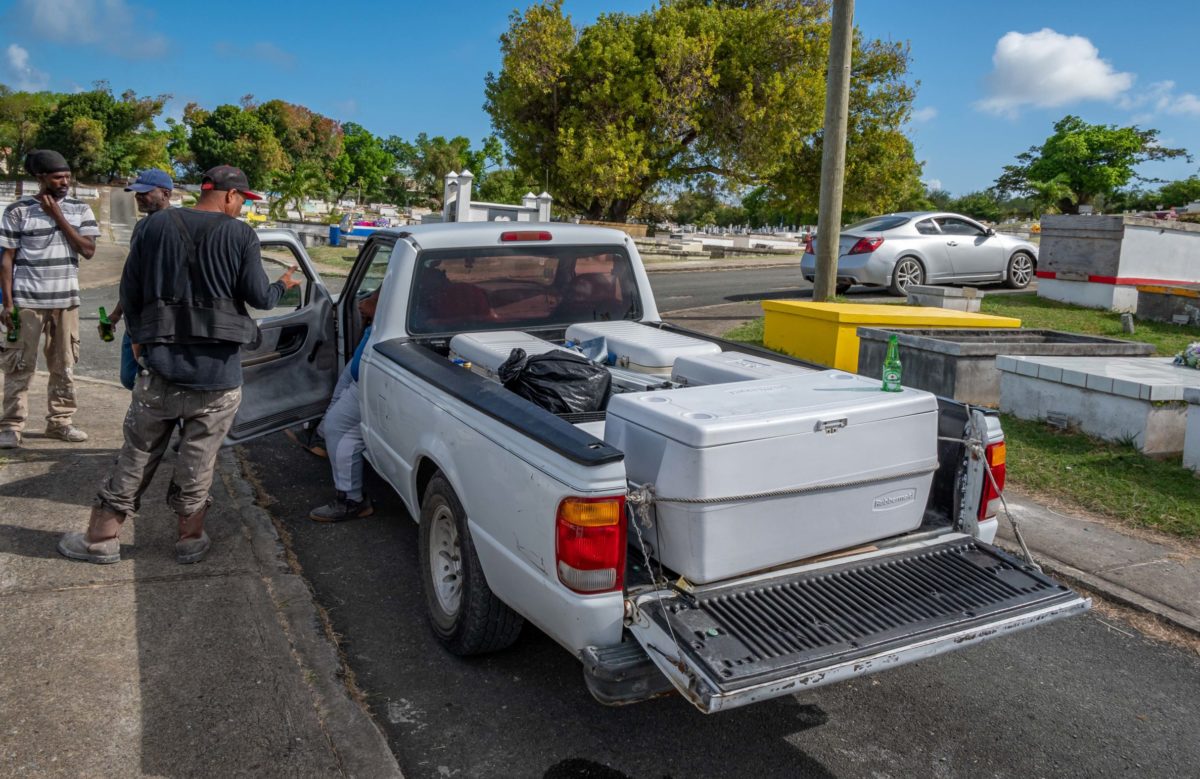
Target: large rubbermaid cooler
point(775, 470)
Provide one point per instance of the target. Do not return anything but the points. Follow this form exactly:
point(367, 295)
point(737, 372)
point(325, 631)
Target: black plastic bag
point(559, 381)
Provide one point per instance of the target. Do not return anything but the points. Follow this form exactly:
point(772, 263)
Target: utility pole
point(833, 152)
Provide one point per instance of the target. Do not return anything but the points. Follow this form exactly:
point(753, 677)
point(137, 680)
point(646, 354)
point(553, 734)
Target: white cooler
point(877, 449)
point(725, 367)
point(640, 347)
point(488, 351)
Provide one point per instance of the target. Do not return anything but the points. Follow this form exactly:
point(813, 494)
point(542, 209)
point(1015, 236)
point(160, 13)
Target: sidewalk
point(147, 667)
point(1157, 575)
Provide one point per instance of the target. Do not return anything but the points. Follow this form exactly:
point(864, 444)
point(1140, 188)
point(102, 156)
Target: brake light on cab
point(589, 548)
point(525, 235)
point(989, 506)
point(866, 245)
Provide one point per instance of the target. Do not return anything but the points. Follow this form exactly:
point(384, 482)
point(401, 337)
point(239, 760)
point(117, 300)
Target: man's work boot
point(68, 433)
point(99, 544)
point(193, 542)
point(10, 439)
point(341, 508)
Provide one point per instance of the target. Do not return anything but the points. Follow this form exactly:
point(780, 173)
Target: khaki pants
point(156, 407)
point(19, 360)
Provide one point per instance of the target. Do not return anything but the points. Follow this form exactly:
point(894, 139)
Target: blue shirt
point(358, 353)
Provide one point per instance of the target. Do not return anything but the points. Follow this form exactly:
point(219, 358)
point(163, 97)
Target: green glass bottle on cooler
point(891, 366)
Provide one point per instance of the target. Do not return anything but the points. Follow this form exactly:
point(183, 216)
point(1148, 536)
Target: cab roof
point(463, 235)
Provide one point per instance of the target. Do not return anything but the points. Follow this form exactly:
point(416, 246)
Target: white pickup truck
point(729, 522)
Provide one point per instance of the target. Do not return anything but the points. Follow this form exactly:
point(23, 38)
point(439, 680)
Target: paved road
point(1077, 698)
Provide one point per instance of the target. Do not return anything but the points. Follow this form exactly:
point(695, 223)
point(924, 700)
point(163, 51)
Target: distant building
point(457, 205)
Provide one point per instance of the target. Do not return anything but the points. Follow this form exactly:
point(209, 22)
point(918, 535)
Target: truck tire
point(464, 614)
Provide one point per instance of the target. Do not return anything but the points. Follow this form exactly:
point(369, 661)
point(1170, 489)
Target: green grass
point(1041, 314)
point(750, 333)
point(335, 256)
point(1110, 479)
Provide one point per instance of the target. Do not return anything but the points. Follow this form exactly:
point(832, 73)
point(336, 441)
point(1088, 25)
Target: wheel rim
point(1022, 270)
point(445, 560)
point(908, 272)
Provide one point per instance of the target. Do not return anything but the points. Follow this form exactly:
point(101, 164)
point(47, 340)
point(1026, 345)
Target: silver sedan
point(926, 247)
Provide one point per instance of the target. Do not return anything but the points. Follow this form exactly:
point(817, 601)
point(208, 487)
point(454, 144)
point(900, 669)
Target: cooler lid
point(719, 414)
point(642, 344)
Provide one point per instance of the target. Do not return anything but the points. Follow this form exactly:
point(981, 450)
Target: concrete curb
point(1108, 590)
point(359, 744)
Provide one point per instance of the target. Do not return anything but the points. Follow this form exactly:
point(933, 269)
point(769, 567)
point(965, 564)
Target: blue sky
point(993, 77)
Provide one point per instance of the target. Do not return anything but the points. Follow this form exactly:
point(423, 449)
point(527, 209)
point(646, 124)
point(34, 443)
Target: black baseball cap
point(228, 178)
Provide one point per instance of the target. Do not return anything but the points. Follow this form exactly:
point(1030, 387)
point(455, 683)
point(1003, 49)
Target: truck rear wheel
point(464, 614)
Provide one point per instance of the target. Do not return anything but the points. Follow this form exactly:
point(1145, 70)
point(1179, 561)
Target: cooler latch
point(831, 426)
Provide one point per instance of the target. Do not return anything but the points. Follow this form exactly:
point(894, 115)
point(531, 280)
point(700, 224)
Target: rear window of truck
point(502, 288)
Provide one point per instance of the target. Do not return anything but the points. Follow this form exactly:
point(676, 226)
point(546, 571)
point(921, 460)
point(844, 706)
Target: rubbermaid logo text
point(894, 500)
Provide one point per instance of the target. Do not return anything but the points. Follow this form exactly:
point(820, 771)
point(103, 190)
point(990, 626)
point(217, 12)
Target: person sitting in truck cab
point(342, 429)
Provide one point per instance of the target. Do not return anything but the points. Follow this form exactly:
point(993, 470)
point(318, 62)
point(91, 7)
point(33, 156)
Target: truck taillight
point(989, 506)
point(808, 245)
point(590, 543)
point(865, 246)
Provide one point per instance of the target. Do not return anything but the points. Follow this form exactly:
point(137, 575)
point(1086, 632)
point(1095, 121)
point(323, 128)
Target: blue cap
point(149, 180)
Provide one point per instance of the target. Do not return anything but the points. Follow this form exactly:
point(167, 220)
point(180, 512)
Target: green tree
point(985, 205)
point(21, 118)
point(425, 162)
point(1180, 193)
point(294, 186)
point(232, 135)
point(103, 136)
point(733, 89)
point(1081, 162)
point(364, 163)
point(308, 139)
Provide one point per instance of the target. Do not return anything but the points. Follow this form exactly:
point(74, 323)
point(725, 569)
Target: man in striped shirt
point(42, 238)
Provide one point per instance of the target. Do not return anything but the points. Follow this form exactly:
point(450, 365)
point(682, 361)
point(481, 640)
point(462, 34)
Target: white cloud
point(1046, 69)
point(262, 51)
point(1186, 103)
point(1161, 98)
point(110, 24)
point(932, 184)
point(24, 76)
point(924, 114)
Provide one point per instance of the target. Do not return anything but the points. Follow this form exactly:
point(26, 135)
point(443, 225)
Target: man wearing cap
point(190, 274)
point(41, 240)
point(152, 190)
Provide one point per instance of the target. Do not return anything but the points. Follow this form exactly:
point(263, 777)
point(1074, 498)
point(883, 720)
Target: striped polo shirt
point(46, 269)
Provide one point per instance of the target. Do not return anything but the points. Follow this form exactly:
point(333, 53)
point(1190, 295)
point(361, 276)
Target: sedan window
point(952, 226)
point(876, 224)
point(927, 227)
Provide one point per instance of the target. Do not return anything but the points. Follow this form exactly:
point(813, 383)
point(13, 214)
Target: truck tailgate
point(726, 646)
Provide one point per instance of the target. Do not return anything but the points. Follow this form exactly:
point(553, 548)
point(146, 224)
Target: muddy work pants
point(59, 327)
point(157, 407)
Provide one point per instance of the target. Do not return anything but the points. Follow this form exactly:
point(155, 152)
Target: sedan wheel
point(908, 272)
point(1020, 271)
